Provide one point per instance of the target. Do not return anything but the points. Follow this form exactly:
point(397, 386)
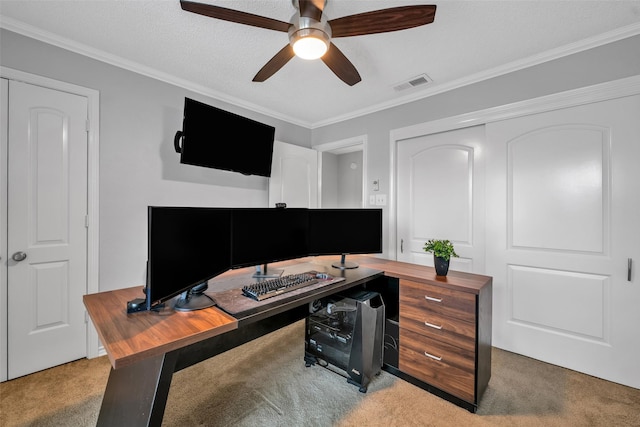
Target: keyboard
point(264, 289)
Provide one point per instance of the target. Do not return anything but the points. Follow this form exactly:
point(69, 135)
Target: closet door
point(441, 196)
point(47, 228)
point(563, 203)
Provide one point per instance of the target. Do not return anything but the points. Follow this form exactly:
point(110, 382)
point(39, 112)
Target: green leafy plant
point(440, 248)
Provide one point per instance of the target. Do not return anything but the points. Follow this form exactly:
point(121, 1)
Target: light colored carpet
point(266, 383)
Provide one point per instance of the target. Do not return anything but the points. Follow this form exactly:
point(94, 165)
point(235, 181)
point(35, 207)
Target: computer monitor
point(186, 247)
point(345, 231)
point(264, 235)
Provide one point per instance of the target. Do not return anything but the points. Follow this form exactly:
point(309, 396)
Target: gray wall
point(329, 180)
point(138, 165)
point(140, 115)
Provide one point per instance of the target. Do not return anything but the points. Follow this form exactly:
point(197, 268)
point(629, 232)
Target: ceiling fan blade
point(275, 63)
point(383, 21)
point(311, 9)
point(341, 66)
point(234, 16)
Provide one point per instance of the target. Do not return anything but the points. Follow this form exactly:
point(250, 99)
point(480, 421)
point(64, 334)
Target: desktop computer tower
point(344, 333)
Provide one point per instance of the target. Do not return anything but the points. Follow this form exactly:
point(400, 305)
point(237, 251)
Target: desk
point(146, 348)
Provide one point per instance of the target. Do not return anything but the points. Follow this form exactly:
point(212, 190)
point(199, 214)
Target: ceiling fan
point(309, 30)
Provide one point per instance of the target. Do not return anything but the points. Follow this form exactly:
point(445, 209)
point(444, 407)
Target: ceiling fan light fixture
point(309, 43)
point(310, 30)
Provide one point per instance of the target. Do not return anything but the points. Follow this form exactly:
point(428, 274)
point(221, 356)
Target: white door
point(294, 176)
point(47, 235)
point(441, 196)
point(563, 210)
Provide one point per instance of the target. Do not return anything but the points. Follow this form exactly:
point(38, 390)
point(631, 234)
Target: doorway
point(342, 170)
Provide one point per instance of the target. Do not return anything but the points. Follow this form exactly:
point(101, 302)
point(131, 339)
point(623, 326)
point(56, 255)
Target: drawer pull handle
point(431, 325)
point(432, 356)
point(427, 297)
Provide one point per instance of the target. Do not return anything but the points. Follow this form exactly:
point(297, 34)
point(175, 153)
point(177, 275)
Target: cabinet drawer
point(442, 328)
point(439, 300)
point(449, 368)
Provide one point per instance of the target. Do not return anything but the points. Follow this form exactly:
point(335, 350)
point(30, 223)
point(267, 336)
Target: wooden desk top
point(129, 338)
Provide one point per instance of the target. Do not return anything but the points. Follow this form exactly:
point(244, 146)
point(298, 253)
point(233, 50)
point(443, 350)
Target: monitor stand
point(194, 299)
point(263, 273)
point(344, 265)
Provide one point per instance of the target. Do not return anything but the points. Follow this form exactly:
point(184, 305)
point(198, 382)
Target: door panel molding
point(539, 297)
point(456, 222)
point(578, 156)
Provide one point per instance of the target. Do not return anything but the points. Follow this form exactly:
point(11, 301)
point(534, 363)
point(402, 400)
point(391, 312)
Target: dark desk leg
point(136, 395)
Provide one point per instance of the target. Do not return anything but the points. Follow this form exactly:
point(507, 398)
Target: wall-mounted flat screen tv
point(218, 139)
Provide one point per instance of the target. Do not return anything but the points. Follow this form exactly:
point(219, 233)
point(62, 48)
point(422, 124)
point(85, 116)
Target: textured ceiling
point(468, 41)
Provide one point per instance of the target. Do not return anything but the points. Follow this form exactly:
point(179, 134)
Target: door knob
point(19, 256)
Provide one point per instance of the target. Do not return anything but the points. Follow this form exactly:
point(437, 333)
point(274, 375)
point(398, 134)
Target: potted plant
point(442, 252)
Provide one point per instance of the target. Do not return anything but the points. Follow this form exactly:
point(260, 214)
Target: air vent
point(417, 81)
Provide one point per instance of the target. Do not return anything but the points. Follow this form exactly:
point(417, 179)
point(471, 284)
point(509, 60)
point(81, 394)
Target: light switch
point(372, 200)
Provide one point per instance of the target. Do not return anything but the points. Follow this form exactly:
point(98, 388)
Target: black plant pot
point(441, 265)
